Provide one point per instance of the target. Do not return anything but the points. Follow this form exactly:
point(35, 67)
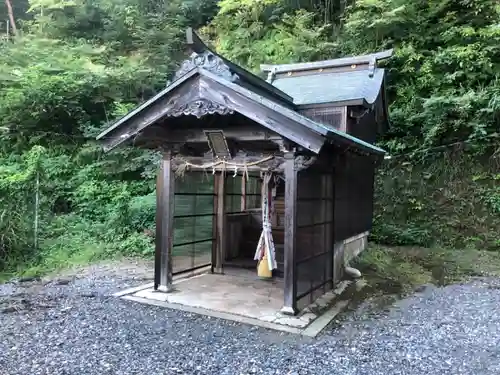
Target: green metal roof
point(356, 85)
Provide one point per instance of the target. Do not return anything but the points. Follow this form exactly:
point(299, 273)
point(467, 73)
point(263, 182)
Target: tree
point(254, 32)
point(444, 84)
point(10, 13)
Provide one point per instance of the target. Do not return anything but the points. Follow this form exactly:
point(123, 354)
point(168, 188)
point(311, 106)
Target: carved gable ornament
point(209, 61)
point(199, 108)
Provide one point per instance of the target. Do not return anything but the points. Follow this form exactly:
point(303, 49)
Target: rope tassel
point(266, 243)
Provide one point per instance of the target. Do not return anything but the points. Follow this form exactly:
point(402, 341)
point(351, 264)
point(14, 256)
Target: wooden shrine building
point(301, 141)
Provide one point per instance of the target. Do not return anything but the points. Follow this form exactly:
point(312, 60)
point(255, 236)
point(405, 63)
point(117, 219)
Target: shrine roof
point(206, 83)
point(352, 80)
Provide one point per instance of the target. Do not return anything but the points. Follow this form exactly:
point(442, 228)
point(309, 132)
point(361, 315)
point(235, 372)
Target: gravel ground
point(72, 325)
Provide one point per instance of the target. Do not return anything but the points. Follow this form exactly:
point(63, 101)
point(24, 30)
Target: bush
point(400, 235)
point(451, 200)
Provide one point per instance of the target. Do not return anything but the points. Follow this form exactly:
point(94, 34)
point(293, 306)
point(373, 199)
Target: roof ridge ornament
point(208, 61)
point(239, 74)
point(203, 58)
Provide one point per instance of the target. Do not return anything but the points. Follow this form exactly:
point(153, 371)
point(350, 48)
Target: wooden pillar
point(214, 224)
point(164, 224)
point(338, 256)
point(327, 216)
point(219, 251)
point(290, 292)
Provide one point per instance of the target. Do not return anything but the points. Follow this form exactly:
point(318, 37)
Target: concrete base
point(241, 296)
point(354, 246)
point(289, 311)
point(165, 289)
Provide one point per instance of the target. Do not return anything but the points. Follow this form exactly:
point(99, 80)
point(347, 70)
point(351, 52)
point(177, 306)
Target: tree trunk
point(11, 17)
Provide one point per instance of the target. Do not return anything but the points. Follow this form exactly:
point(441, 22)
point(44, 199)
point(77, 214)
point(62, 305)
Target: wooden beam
point(269, 114)
point(249, 134)
point(221, 221)
point(275, 163)
point(290, 292)
point(164, 225)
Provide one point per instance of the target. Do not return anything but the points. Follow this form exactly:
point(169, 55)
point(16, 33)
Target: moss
point(402, 269)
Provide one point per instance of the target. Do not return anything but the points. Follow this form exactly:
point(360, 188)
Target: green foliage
point(449, 201)
point(17, 193)
point(67, 90)
point(443, 80)
point(60, 83)
point(255, 32)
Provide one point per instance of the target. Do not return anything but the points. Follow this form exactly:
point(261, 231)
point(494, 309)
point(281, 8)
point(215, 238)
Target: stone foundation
point(352, 247)
point(242, 297)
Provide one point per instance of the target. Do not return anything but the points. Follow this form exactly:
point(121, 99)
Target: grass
point(396, 270)
point(78, 247)
point(402, 269)
point(58, 259)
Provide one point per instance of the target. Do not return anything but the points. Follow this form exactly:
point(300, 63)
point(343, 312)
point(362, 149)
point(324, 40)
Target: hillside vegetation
point(75, 65)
